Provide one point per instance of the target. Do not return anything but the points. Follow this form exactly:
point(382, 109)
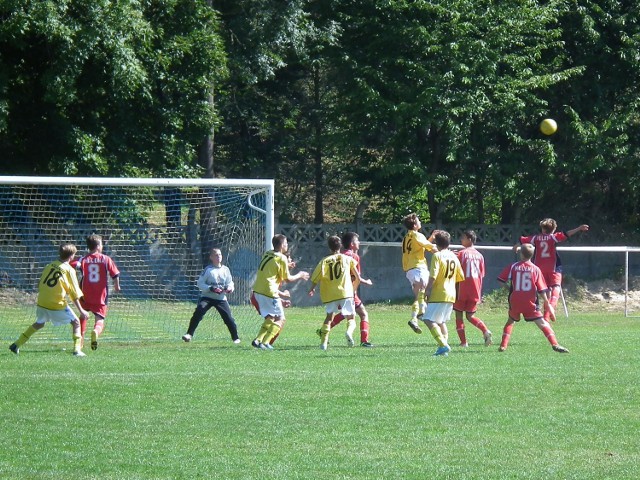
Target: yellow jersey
point(333, 273)
point(273, 270)
point(58, 280)
point(446, 271)
point(413, 247)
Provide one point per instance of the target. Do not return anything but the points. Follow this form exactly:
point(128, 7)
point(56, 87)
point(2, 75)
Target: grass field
point(211, 409)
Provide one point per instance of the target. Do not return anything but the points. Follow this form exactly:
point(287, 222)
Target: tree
point(437, 89)
point(104, 88)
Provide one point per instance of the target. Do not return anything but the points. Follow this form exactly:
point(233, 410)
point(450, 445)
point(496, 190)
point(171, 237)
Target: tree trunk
point(317, 127)
point(205, 152)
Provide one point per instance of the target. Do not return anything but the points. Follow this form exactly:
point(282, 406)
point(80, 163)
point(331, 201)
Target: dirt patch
point(605, 294)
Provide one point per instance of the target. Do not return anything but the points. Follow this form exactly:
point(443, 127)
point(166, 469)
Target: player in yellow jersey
point(441, 291)
point(58, 280)
point(414, 263)
point(333, 274)
point(272, 271)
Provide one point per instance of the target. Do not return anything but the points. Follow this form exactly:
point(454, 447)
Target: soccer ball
point(548, 126)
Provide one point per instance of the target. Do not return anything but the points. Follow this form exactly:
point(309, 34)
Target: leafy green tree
point(446, 96)
point(596, 176)
point(276, 102)
point(97, 88)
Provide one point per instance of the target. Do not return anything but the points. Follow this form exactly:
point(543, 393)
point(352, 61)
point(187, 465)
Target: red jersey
point(96, 268)
point(472, 262)
point(356, 257)
point(526, 282)
point(546, 257)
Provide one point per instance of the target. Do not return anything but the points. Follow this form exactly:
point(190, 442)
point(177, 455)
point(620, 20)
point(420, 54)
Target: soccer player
point(415, 265)
point(334, 273)
point(58, 280)
point(273, 270)
point(350, 245)
point(95, 269)
point(546, 257)
point(470, 289)
point(445, 273)
point(215, 282)
point(526, 286)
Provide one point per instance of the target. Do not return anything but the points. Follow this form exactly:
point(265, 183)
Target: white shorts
point(268, 306)
point(417, 275)
point(438, 312)
point(346, 306)
point(57, 317)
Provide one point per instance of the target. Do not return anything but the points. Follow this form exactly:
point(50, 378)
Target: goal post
point(158, 231)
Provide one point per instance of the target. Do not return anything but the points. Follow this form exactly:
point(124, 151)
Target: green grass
point(211, 409)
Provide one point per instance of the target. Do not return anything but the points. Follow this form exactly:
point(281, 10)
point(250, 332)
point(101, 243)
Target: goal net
point(159, 232)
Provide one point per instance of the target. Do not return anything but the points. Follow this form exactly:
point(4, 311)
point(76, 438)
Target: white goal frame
point(235, 205)
point(626, 250)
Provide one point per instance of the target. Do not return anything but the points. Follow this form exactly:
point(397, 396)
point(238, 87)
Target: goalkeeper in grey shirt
point(214, 283)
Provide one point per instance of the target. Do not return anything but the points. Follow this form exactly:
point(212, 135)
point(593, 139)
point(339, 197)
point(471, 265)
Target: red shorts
point(463, 305)
point(529, 314)
point(553, 279)
point(97, 309)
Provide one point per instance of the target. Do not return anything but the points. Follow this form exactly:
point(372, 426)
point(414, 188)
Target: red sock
point(460, 330)
point(476, 322)
point(83, 327)
point(550, 334)
point(364, 331)
point(336, 320)
point(506, 335)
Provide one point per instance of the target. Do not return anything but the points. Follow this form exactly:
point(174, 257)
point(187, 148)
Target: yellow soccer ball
point(548, 126)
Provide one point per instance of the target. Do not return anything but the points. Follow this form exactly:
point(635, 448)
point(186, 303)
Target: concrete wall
point(383, 265)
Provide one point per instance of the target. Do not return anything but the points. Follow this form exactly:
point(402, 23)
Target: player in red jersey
point(470, 289)
point(546, 256)
point(526, 286)
point(351, 244)
point(96, 268)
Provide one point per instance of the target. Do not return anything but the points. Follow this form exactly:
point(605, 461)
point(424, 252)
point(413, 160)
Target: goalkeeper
point(214, 283)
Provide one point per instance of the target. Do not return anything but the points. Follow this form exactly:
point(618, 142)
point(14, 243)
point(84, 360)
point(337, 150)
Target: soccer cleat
point(349, 339)
point(324, 346)
point(236, 341)
point(487, 338)
point(414, 326)
point(502, 349)
point(79, 353)
point(464, 345)
point(560, 349)
point(14, 348)
point(367, 344)
point(444, 351)
point(186, 337)
point(256, 344)
point(266, 346)
point(94, 340)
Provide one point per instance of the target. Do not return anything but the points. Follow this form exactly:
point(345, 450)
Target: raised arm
point(581, 228)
